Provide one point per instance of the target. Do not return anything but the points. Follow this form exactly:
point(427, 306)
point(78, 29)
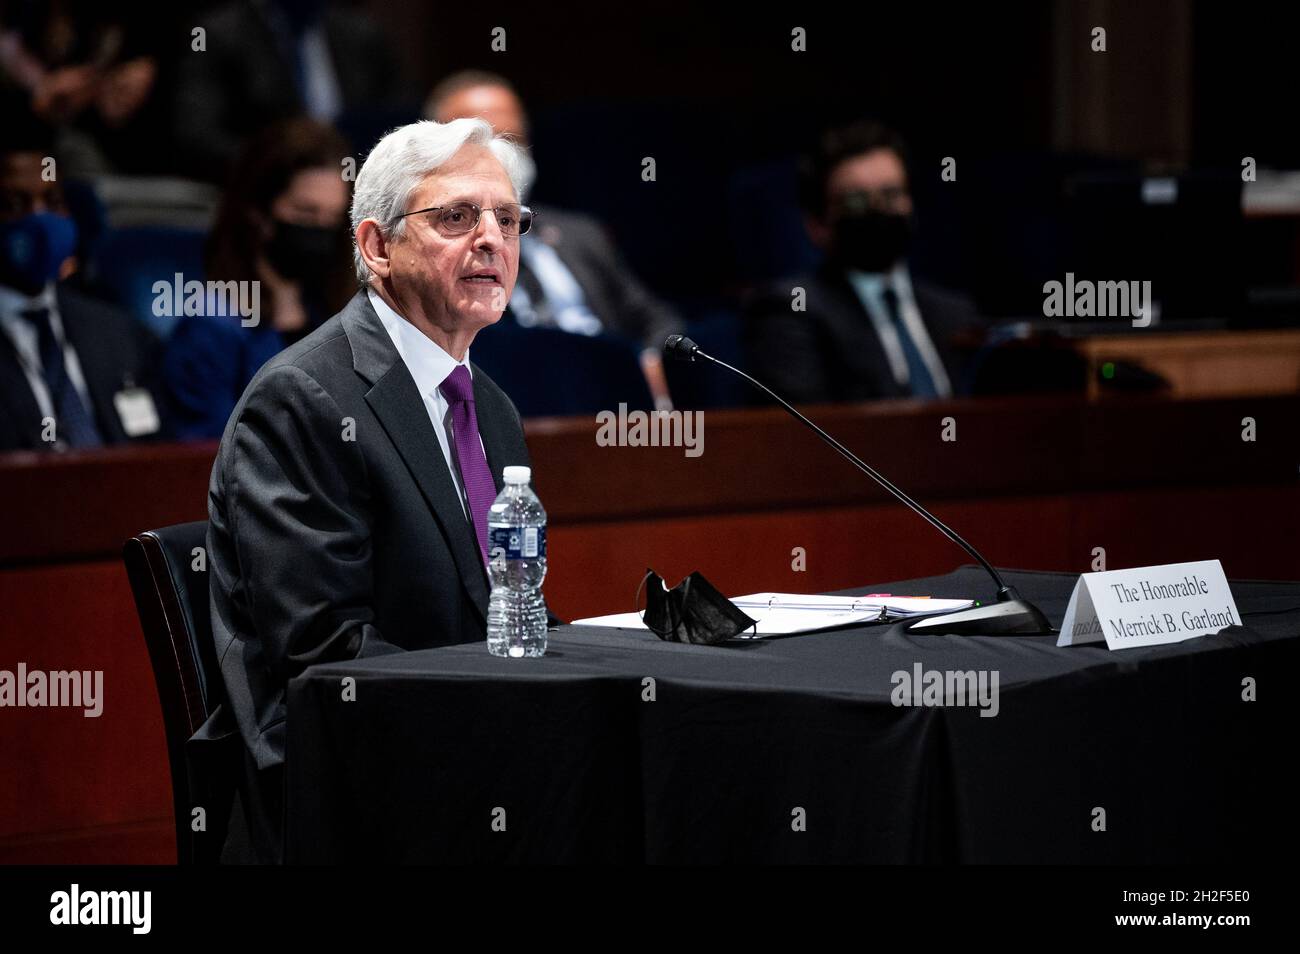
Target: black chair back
point(168, 573)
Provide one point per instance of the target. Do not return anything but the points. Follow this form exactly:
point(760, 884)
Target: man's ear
point(373, 246)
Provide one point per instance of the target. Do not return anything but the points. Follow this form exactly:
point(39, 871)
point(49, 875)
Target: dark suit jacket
point(322, 548)
point(112, 348)
point(623, 304)
point(831, 351)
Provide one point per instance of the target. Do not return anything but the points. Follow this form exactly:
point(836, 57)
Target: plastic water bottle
point(516, 620)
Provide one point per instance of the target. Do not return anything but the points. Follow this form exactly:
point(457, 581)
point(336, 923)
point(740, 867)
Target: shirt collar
point(13, 302)
point(428, 363)
point(874, 283)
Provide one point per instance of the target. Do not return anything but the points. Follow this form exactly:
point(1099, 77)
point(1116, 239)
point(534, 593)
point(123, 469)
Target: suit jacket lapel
point(99, 368)
point(17, 395)
point(582, 262)
point(944, 326)
point(400, 408)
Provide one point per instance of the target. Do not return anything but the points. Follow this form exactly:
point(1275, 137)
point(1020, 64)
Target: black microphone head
point(680, 347)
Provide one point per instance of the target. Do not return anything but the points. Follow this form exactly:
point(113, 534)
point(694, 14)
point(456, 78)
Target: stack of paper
point(782, 614)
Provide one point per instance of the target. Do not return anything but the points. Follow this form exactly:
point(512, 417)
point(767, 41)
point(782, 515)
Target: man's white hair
point(400, 161)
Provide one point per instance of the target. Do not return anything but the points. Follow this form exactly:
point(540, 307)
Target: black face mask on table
point(693, 611)
point(301, 253)
point(869, 240)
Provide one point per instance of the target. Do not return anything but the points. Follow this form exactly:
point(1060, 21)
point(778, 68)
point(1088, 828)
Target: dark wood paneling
point(81, 506)
point(87, 504)
point(69, 776)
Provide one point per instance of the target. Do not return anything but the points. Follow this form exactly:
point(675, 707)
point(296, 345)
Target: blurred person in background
point(571, 275)
point(270, 60)
point(75, 373)
point(868, 329)
point(283, 224)
point(95, 71)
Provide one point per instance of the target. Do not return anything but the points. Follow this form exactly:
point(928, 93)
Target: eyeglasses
point(464, 217)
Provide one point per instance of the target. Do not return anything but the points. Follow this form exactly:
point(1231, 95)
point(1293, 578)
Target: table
point(1037, 482)
point(452, 755)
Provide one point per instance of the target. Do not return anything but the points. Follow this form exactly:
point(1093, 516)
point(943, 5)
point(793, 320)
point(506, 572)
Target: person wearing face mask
point(281, 231)
point(75, 373)
point(571, 275)
point(868, 329)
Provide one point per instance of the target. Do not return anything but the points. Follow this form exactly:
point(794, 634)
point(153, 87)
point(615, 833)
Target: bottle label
point(517, 543)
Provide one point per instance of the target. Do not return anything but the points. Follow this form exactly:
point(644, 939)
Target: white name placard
point(1149, 605)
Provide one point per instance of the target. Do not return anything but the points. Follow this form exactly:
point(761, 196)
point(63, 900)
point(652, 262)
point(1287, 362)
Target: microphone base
point(1013, 617)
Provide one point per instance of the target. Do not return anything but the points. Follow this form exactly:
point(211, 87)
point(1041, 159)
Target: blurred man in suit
point(571, 275)
point(74, 372)
point(861, 327)
point(269, 60)
point(348, 503)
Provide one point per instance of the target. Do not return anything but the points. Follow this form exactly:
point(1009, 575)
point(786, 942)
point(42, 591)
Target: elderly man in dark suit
point(859, 327)
point(348, 502)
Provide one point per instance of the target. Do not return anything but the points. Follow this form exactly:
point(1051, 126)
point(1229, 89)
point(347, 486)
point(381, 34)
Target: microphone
point(1009, 616)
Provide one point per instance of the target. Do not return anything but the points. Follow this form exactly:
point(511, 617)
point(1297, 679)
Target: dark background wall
point(1013, 91)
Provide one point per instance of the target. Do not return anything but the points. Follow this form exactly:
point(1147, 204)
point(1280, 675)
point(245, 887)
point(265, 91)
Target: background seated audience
point(269, 60)
point(859, 326)
point(208, 140)
point(74, 372)
point(283, 224)
point(571, 274)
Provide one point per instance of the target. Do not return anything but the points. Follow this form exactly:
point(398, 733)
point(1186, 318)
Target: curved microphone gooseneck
point(1010, 615)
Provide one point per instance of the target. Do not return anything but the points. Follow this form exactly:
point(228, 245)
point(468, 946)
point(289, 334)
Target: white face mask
point(527, 175)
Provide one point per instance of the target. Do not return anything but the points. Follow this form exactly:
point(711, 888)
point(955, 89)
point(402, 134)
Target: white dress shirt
point(569, 309)
point(26, 343)
point(429, 366)
point(870, 288)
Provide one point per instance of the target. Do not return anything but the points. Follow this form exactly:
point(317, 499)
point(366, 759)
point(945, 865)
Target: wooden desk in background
point(1036, 483)
point(1205, 363)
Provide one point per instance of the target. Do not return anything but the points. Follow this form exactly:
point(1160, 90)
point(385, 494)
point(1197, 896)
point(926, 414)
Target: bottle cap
point(518, 475)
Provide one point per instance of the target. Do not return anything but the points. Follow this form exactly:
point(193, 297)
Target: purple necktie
point(458, 389)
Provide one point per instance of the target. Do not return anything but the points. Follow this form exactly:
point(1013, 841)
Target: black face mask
point(693, 611)
point(871, 240)
point(302, 252)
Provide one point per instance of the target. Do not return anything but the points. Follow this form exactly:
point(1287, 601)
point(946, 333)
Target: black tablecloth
point(442, 748)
